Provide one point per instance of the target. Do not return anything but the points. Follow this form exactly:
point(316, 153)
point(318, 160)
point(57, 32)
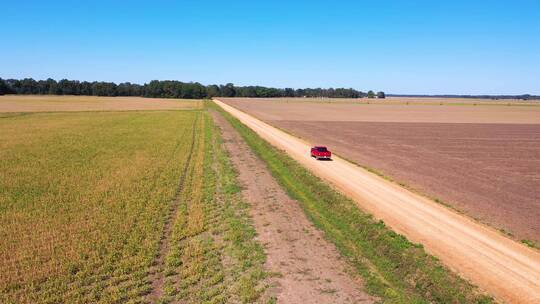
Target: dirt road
point(289, 236)
point(508, 270)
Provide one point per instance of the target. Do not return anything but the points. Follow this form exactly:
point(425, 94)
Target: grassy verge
point(394, 269)
point(531, 243)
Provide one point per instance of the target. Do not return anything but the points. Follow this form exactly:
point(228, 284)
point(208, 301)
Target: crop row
point(214, 257)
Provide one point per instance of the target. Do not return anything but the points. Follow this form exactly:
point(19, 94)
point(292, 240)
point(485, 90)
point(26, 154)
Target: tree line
point(167, 89)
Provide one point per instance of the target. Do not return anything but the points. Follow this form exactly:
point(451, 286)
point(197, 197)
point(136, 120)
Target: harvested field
point(46, 103)
point(115, 207)
point(399, 101)
point(83, 200)
point(300, 110)
point(459, 101)
point(483, 160)
point(490, 171)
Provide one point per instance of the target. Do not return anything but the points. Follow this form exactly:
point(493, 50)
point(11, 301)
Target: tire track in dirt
point(158, 277)
point(310, 267)
point(508, 270)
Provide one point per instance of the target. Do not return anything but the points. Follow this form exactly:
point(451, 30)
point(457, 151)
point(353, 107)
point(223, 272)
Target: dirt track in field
point(46, 103)
point(501, 266)
point(310, 268)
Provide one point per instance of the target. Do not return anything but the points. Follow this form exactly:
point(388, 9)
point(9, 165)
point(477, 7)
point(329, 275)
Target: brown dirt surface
point(506, 269)
point(397, 101)
point(310, 268)
point(482, 160)
point(452, 100)
point(46, 103)
point(489, 171)
point(378, 111)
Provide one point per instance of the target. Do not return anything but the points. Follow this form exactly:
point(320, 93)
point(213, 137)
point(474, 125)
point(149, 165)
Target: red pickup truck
point(320, 152)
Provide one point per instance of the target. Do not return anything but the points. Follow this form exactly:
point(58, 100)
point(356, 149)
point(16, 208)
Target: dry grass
point(51, 103)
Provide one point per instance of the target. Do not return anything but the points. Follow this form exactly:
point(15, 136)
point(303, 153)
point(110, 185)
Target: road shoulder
point(308, 267)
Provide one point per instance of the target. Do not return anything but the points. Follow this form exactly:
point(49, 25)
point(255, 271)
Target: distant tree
point(124, 89)
point(69, 87)
point(288, 92)
point(212, 91)
point(4, 88)
point(86, 88)
point(103, 88)
point(381, 95)
point(52, 87)
point(43, 87)
point(228, 90)
point(370, 94)
point(249, 91)
point(153, 89)
point(26, 86)
point(199, 91)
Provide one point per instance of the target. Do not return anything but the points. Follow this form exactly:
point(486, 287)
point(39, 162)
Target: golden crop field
point(69, 103)
point(114, 207)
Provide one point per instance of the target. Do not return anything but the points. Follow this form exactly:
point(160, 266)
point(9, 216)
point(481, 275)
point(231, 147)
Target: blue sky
point(408, 47)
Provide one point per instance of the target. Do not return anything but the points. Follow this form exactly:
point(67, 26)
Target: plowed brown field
point(483, 160)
